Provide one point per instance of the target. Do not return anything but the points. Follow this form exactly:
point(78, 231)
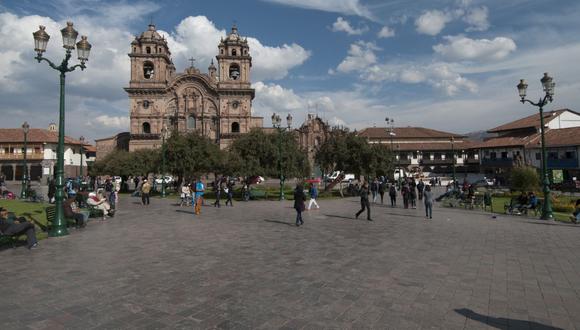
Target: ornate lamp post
point(69, 37)
point(82, 139)
point(452, 140)
point(391, 131)
point(164, 132)
point(548, 85)
point(25, 129)
point(277, 123)
point(399, 165)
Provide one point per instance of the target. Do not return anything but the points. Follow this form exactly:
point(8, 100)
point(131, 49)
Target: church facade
point(216, 104)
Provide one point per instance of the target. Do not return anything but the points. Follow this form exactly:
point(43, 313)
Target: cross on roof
point(192, 60)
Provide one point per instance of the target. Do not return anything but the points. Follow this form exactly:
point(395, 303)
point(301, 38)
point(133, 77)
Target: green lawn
point(499, 202)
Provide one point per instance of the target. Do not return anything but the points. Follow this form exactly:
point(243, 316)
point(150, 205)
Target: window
point(134, 49)
point(235, 127)
point(245, 52)
point(191, 122)
point(504, 155)
point(538, 156)
point(146, 104)
point(437, 155)
point(234, 52)
point(234, 71)
point(570, 155)
point(146, 128)
point(148, 50)
point(148, 70)
point(492, 155)
point(221, 51)
point(552, 155)
point(37, 150)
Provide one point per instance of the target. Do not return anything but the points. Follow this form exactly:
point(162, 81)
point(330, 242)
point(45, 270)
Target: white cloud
point(386, 32)
point(360, 55)
point(463, 48)
point(274, 98)
point(120, 123)
point(346, 7)
point(342, 25)
point(199, 37)
point(477, 19)
point(432, 22)
point(412, 76)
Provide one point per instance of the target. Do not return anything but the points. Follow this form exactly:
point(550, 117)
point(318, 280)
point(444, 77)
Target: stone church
point(217, 104)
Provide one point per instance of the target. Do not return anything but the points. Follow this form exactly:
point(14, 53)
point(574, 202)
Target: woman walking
point(299, 198)
point(364, 202)
point(393, 195)
point(428, 196)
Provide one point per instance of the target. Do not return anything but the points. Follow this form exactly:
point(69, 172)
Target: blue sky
point(444, 64)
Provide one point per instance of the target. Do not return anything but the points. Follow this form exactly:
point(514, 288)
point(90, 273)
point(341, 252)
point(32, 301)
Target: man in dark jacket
point(299, 198)
point(18, 227)
point(364, 202)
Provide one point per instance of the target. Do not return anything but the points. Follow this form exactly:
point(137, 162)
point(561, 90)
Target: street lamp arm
point(52, 65)
point(540, 103)
point(71, 69)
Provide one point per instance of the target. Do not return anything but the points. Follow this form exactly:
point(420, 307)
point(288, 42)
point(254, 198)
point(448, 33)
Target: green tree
point(123, 163)
point(257, 153)
point(524, 178)
point(191, 154)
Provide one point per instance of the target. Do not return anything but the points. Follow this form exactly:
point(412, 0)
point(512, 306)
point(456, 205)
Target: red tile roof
point(35, 135)
point(432, 146)
point(531, 121)
point(405, 133)
point(558, 138)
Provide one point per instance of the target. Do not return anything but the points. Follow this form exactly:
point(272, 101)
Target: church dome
point(151, 34)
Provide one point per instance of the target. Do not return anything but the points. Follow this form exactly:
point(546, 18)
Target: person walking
point(405, 192)
point(199, 191)
point(313, 196)
point(364, 202)
point(382, 190)
point(420, 189)
point(217, 188)
point(299, 198)
point(229, 190)
point(145, 190)
point(185, 194)
point(393, 195)
point(413, 194)
point(375, 189)
point(428, 202)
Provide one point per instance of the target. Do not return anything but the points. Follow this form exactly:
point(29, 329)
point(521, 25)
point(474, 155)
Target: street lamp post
point(163, 134)
point(399, 165)
point(391, 131)
point(548, 85)
point(277, 123)
point(453, 161)
point(69, 36)
point(82, 139)
point(23, 193)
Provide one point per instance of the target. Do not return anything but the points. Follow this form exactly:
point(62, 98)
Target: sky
point(450, 65)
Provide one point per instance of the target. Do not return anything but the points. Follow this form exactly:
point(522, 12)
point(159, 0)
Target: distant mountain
point(478, 136)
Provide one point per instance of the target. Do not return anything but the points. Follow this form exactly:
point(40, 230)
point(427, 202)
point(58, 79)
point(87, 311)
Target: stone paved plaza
point(249, 267)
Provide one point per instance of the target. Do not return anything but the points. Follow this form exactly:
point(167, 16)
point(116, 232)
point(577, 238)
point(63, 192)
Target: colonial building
point(107, 145)
point(424, 149)
point(40, 154)
point(217, 104)
point(519, 143)
point(311, 135)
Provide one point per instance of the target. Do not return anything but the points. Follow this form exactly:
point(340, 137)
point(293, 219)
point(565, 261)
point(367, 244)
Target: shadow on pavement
point(340, 216)
point(281, 222)
point(554, 224)
point(502, 322)
point(182, 211)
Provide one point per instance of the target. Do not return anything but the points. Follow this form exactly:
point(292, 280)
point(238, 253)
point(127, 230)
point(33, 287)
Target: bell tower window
point(234, 52)
point(148, 50)
point(235, 127)
point(234, 72)
point(146, 128)
point(148, 70)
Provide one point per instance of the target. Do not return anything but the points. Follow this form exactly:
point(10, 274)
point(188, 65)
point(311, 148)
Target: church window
point(234, 71)
point(146, 128)
point(134, 49)
point(235, 127)
point(234, 52)
point(221, 51)
point(191, 122)
point(245, 52)
point(145, 104)
point(148, 70)
point(148, 50)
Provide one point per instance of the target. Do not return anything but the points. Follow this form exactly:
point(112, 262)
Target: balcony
point(471, 160)
point(498, 162)
point(29, 156)
point(436, 161)
point(563, 163)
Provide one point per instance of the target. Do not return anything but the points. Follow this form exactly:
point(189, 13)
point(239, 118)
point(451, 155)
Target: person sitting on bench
point(69, 207)
point(100, 203)
point(18, 227)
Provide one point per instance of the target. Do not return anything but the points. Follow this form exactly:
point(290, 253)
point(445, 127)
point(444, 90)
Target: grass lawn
point(499, 202)
point(31, 211)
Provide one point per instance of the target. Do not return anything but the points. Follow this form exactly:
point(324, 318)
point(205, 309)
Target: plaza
point(249, 267)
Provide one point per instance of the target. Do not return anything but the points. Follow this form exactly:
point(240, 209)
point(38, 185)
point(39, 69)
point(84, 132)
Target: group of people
point(192, 194)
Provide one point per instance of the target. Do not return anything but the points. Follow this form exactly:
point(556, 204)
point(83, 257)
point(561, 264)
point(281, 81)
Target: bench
point(51, 215)
point(258, 193)
point(5, 239)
